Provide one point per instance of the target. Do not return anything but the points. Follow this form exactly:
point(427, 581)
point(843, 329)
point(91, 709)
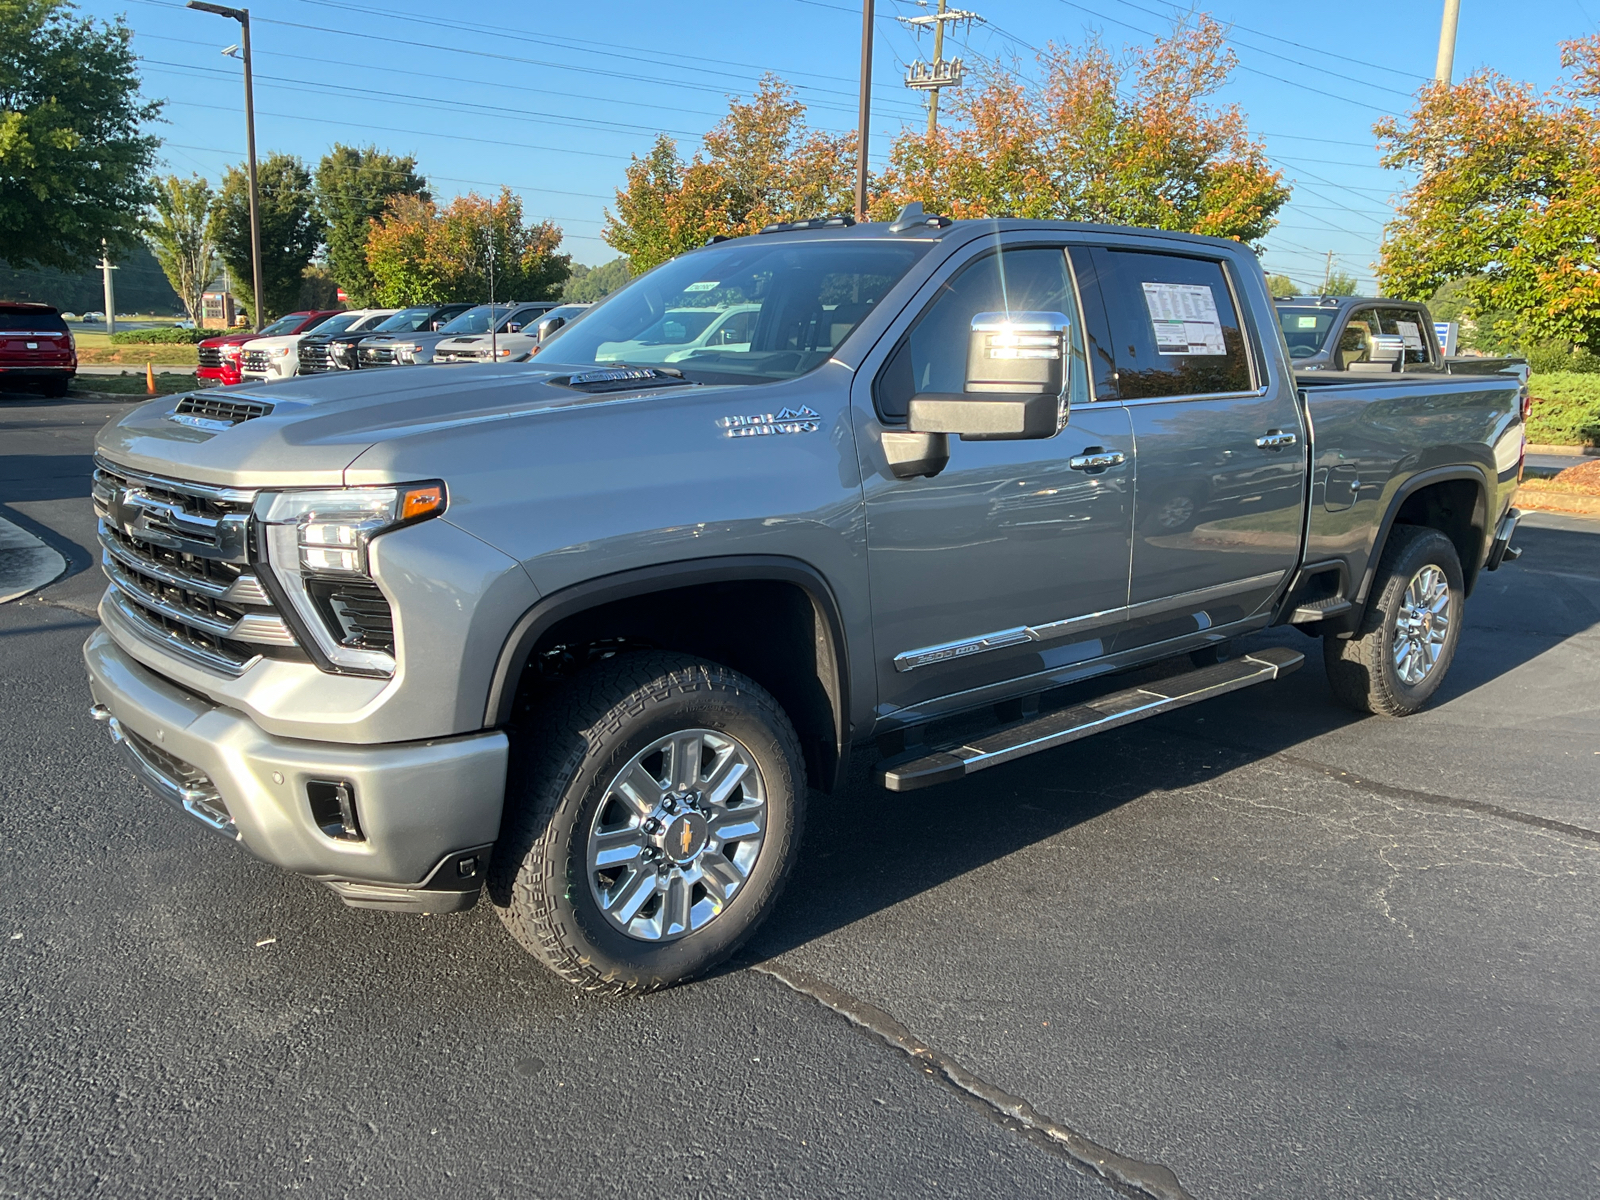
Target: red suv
point(220, 356)
point(35, 344)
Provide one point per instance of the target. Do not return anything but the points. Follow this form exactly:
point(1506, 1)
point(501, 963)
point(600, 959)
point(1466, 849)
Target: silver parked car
point(516, 342)
point(408, 350)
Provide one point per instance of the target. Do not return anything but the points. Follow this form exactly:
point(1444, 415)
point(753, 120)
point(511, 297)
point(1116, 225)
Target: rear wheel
point(1407, 639)
point(652, 818)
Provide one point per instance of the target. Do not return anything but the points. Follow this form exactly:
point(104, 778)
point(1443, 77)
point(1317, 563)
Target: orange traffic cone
point(150, 378)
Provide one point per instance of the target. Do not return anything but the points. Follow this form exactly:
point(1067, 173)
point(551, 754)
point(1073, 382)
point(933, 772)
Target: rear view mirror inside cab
point(1016, 382)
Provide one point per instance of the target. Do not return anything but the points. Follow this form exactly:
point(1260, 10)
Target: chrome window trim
point(926, 656)
point(1257, 394)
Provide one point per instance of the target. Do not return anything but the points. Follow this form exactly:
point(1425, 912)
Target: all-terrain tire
point(563, 766)
point(1363, 670)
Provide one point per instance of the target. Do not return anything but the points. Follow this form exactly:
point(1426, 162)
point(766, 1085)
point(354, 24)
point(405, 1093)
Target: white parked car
point(269, 359)
point(682, 331)
point(518, 338)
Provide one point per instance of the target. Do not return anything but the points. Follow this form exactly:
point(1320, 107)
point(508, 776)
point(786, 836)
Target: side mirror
point(549, 325)
point(513, 327)
point(1016, 385)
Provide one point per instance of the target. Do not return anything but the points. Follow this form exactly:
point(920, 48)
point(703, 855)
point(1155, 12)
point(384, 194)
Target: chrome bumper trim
point(204, 804)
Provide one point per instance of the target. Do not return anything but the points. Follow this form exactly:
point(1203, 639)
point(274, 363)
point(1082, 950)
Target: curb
point(1566, 451)
point(1558, 502)
point(26, 563)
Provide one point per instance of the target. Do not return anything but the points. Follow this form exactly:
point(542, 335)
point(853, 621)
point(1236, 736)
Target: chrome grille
point(214, 409)
point(255, 362)
point(314, 357)
point(377, 356)
point(177, 555)
point(210, 356)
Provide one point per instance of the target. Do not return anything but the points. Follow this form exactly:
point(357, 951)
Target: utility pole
point(1445, 67)
point(1327, 274)
point(110, 288)
point(242, 15)
point(937, 75)
point(864, 117)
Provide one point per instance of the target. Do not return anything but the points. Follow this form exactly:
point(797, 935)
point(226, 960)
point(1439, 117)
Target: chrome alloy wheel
point(1421, 625)
point(676, 834)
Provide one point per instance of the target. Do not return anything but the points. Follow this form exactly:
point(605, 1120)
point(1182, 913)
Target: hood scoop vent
point(620, 379)
point(215, 412)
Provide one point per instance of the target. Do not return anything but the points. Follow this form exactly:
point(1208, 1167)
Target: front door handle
point(1276, 439)
point(1096, 459)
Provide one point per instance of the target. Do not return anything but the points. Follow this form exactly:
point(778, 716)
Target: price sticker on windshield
point(1184, 318)
point(1410, 335)
point(705, 285)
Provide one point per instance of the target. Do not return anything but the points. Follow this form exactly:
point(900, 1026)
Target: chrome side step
point(1320, 610)
point(1084, 720)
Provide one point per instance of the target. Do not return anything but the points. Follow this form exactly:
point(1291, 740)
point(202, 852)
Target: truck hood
point(320, 424)
point(274, 343)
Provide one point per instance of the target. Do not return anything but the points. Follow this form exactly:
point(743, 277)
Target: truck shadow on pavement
point(868, 849)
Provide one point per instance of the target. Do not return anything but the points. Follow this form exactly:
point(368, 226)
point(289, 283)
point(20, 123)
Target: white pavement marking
point(26, 563)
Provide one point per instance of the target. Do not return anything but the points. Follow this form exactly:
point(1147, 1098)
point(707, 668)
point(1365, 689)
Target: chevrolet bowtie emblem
point(685, 840)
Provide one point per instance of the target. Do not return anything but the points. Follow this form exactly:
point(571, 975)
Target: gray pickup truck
point(1375, 337)
point(585, 630)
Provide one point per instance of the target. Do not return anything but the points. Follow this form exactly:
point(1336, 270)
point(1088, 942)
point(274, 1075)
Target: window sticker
point(705, 285)
point(1305, 323)
point(1410, 335)
point(1184, 318)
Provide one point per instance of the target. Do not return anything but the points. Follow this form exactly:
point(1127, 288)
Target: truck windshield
point(793, 304)
point(283, 325)
point(407, 320)
point(476, 320)
point(1305, 329)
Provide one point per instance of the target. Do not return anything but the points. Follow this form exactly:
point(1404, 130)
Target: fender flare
point(663, 577)
point(1405, 491)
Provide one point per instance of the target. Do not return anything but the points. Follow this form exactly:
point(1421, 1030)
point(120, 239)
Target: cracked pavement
point(1253, 948)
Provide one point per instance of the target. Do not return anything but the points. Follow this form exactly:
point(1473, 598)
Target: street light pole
point(242, 15)
point(865, 117)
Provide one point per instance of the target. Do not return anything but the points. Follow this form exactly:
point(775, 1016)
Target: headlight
point(280, 352)
point(315, 545)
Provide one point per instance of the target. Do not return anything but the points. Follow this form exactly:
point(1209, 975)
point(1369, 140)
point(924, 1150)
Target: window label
point(1184, 318)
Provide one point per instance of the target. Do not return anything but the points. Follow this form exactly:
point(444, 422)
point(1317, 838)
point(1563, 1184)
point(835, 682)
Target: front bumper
point(223, 376)
point(427, 812)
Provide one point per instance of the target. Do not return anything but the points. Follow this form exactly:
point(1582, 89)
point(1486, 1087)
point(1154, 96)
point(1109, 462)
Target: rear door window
point(1172, 323)
point(1408, 325)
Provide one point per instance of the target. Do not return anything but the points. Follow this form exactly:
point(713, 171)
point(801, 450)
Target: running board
point(1084, 720)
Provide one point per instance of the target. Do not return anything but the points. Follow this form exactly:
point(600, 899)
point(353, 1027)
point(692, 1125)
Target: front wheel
point(1400, 654)
point(652, 818)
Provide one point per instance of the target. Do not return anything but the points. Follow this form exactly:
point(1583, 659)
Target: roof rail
point(836, 221)
point(912, 217)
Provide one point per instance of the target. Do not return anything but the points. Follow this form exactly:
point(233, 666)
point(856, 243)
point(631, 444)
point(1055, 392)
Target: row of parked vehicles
point(312, 341)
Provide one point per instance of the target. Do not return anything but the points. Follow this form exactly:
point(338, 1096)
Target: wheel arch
point(1453, 500)
point(693, 606)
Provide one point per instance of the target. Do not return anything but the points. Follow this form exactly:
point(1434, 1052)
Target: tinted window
point(806, 297)
point(407, 320)
point(1357, 342)
point(25, 322)
point(1409, 326)
point(1173, 325)
point(336, 324)
point(1305, 329)
point(933, 356)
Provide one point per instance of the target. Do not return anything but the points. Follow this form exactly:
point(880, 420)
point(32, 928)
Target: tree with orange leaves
point(761, 164)
point(1128, 140)
point(1507, 199)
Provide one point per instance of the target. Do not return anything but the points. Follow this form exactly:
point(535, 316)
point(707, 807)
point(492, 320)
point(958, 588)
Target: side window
point(932, 357)
point(1407, 325)
point(736, 330)
point(1356, 345)
point(1173, 323)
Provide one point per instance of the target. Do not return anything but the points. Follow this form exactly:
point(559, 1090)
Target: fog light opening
point(333, 808)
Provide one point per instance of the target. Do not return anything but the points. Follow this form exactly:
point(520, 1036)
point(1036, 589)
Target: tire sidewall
point(612, 742)
point(1431, 548)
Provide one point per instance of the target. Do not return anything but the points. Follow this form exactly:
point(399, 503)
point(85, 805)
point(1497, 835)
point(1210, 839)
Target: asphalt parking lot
point(1254, 948)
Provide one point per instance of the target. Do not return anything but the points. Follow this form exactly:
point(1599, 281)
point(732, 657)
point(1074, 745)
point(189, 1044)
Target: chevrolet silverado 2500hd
point(586, 630)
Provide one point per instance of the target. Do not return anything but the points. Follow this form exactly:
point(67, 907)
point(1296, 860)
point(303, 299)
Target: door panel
point(1221, 485)
point(974, 572)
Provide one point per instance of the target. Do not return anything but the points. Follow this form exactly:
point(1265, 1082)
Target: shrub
point(163, 335)
point(1566, 409)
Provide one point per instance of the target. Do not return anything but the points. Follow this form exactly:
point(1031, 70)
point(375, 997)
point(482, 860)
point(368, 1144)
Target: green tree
point(1282, 285)
point(291, 230)
point(1340, 284)
point(419, 253)
point(1506, 200)
point(354, 186)
point(179, 233)
point(74, 161)
point(761, 164)
point(587, 284)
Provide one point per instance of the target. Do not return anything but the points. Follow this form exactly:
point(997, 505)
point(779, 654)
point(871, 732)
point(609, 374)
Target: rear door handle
point(1096, 459)
point(1275, 439)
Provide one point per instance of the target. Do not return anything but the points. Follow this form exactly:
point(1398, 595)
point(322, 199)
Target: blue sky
point(552, 98)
